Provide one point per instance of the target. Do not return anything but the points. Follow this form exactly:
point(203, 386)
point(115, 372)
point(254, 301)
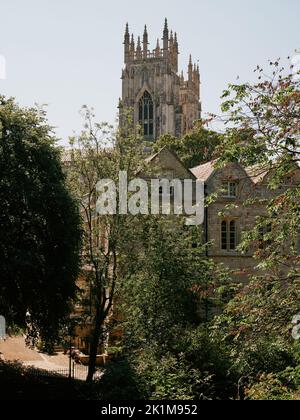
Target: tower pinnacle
point(157, 49)
point(145, 42)
point(166, 38)
point(166, 25)
point(132, 47)
point(139, 48)
point(127, 31)
point(126, 43)
point(190, 69)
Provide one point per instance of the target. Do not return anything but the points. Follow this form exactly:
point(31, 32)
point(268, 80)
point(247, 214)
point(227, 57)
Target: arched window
point(146, 115)
point(232, 235)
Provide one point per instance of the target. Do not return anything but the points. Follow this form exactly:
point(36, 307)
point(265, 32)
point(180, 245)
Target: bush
point(118, 382)
point(270, 387)
point(169, 378)
point(265, 356)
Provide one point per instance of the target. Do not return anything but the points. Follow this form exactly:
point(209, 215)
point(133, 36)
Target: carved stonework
point(176, 102)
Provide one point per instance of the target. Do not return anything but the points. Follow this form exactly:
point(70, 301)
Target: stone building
point(241, 196)
point(163, 102)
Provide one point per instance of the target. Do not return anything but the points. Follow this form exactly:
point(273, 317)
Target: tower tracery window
point(146, 115)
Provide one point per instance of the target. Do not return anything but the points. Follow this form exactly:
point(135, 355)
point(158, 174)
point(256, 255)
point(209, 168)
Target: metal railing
point(77, 372)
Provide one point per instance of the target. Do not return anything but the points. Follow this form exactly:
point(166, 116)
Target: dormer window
point(146, 116)
point(229, 189)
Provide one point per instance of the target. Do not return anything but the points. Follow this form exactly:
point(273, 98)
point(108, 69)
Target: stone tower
point(163, 102)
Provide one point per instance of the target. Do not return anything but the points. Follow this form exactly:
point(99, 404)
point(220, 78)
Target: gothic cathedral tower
point(163, 102)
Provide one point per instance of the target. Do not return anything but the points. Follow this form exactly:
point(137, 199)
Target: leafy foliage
point(39, 223)
point(171, 285)
point(263, 130)
point(99, 153)
point(196, 147)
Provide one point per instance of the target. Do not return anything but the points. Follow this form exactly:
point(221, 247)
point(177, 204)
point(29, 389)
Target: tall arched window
point(146, 115)
point(232, 235)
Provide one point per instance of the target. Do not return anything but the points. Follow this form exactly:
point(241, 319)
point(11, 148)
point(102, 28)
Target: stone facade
point(228, 216)
point(163, 102)
point(235, 211)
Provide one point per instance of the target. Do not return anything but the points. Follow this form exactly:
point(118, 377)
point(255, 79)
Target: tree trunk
point(94, 347)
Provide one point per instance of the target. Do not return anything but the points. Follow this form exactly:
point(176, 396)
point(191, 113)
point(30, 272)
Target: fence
point(78, 372)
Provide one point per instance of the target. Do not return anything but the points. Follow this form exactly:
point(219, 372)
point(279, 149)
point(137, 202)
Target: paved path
point(14, 349)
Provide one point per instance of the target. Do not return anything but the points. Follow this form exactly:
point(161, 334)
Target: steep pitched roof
point(257, 173)
point(203, 172)
point(165, 149)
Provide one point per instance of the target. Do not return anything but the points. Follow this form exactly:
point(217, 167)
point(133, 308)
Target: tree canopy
point(197, 147)
point(39, 223)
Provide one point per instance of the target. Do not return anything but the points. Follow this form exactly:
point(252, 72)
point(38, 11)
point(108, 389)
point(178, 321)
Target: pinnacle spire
point(126, 36)
point(166, 30)
point(139, 48)
point(145, 42)
point(166, 24)
point(190, 69)
point(126, 43)
point(166, 39)
point(132, 44)
point(157, 49)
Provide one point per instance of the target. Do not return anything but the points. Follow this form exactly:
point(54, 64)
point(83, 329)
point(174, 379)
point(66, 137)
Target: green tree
point(268, 110)
point(197, 147)
point(170, 294)
point(39, 223)
point(170, 283)
point(263, 132)
point(97, 154)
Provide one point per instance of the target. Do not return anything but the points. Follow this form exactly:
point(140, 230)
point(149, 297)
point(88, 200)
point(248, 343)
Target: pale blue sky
point(66, 53)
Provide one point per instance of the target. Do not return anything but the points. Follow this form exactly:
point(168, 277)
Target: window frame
point(227, 191)
point(146, 115)
point(229, 235)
